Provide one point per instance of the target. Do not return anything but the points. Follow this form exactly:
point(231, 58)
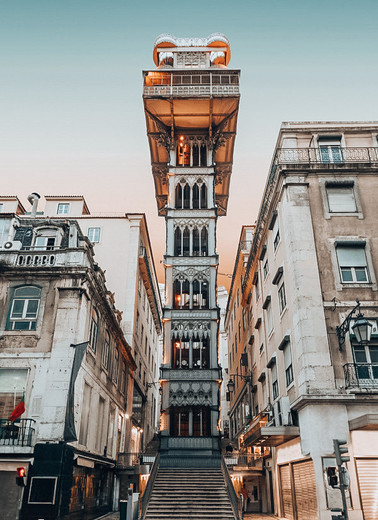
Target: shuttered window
point(341, 199)
point(352, 263)
point(367, 471)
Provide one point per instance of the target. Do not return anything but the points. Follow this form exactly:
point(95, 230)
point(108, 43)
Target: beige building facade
point(314, 252)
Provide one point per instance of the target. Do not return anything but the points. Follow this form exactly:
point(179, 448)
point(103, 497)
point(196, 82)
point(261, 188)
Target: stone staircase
point(188, 493)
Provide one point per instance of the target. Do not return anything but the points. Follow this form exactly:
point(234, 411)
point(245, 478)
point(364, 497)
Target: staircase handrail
point(230, 489)
point(147, 492)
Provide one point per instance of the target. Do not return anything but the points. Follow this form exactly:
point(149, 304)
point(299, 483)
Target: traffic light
point(332, 477)
point(339, 451)
point(21, 475)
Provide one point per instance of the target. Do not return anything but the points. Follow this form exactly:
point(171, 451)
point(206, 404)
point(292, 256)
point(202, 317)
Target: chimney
point(33, 199)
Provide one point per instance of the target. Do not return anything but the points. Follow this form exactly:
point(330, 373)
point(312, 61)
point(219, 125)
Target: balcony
point(18, 433)
point(37, 258)
point(361, 375)
point(337, 155)
point(259, 433)
point(244, 462)
point(189, 84)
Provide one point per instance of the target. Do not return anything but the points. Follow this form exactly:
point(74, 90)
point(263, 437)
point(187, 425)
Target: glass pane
point(359, 354)
point(336, 154)
point(32, 309)
point(324, 154)
point(18, 307)
point(346, 275)
point(373, 354)
point(28, 291)
point(361, 275)
point(21, 325)
point(362, 372)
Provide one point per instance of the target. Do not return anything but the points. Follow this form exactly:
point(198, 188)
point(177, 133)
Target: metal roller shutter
point(287, 498)
point(367, 471)
point(305, 490)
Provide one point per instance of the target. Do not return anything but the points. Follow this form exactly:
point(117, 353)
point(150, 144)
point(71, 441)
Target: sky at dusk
point(72, 118)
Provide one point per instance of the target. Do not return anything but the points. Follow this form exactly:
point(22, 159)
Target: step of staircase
point(188, 493)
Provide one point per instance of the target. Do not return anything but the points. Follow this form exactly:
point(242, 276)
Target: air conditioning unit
point(12, 245)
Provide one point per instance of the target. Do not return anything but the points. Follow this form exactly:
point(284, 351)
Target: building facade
point(314, 252)
point(122, 248)
point(191, 103)
point(64, 355)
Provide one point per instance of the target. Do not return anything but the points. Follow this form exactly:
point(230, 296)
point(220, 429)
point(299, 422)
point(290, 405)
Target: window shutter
point(351, 256)
point(341, 199)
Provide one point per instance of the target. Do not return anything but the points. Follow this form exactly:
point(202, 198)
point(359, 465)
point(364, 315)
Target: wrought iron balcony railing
point(361, 375)
point(326, 155)
point(182, 83)
point(18, 433)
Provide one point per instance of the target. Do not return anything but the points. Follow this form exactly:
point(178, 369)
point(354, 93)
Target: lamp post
point(361, 329)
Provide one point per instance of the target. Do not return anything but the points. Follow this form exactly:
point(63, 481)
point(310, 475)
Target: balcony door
point(366, 365)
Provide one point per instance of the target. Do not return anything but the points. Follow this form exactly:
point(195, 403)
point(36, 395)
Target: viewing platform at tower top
point(175, 59)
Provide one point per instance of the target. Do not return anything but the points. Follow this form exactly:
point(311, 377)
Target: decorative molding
point(186, 328)
point(200, 273)
point(161, 171)
point(190, 393)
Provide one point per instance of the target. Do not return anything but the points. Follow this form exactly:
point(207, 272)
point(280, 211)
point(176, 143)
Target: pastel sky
point(71, 108)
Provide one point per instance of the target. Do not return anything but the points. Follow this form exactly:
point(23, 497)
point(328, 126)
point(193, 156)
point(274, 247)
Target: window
point(288, 365)
point(282, 298)
point(330, 149)
point(94, 234)
point(24, 308)
point(4, 231)
point(269, 318)
point(341, 198)
point(63, 209)
point(12, 388)
point(352, 263)
point(366, 364)
point(116, 365)
point(1, 207)
point(274, 382)
point(45, 239)
point(276, 234)
point(93, 333)
point(105, 351)
point(123, 378)
point(266, 269)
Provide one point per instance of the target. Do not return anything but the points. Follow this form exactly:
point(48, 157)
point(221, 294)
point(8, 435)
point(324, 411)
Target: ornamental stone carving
point(190, 393)
point(160, 171)
point(196, 328)
point(191, 273)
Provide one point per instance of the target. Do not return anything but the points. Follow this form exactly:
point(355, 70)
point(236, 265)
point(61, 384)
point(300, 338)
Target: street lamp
point(361, 329)
point(231, 382)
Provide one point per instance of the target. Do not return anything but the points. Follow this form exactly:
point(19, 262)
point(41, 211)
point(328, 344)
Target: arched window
point(201, 356)
point(186, 196)
point(196, 196)
point(177, 245)
point(203, 158)
point(180, 354)
point(181, 294)
point(93, 331)
point(179, 202)
point(186, 242)
point(196, 242)
point(203, 204)
point(24, 308)
point(196, 155)
point(204, 250)
point(200, 295)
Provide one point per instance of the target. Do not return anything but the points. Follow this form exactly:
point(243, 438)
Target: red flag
point(19, 410)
